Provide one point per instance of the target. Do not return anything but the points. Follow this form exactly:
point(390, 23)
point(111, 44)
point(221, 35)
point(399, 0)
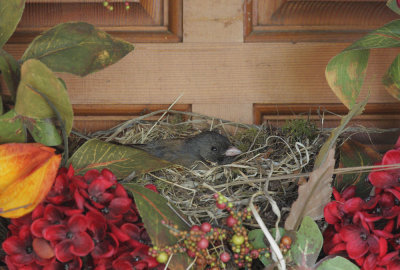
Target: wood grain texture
point(78, 1)
point(237, 112)
point(146, 21)
point(219, 74)
point(299, 21)
point(235, 74)
point(375, 115)
point(212, 21)
point(90, 117)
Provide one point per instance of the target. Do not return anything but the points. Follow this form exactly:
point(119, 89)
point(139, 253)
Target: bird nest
point(270, 165)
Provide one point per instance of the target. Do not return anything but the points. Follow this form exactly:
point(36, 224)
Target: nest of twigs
point(269, 154)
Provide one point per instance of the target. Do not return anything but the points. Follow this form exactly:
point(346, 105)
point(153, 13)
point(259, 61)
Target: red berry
point(206, 227)
point(221, 205)
point(225, 257)
point(191, 254)
point(286, 241)
point(215, 196)
point(230, 221)
point(254, 254)
point(195, 228)
point(202, 244)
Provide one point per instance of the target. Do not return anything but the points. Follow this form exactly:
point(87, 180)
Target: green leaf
point(346, 71)
point(331, 141)
point(78, 48)
point(35, 76)
point(337, 263)
point(153, 209)
point(305, 249)
point(12, 128)
point(354, 154)
point(392, 4)
point(10, 70)
point(43, 131)
point(385, 37)
point(391, 79)
point(345, 74)
point(10, 14)
point(122, 160)
point(256, 239)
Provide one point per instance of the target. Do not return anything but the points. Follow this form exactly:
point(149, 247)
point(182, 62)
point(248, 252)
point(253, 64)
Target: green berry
point(162, 257)
point(238, 239)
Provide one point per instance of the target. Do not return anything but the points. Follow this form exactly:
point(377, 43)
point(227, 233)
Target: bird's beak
point(232, 151)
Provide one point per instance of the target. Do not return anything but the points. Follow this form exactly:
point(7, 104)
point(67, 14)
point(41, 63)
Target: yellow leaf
point(27, 172)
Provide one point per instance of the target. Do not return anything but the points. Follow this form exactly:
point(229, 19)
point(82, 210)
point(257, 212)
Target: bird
point(207, 146)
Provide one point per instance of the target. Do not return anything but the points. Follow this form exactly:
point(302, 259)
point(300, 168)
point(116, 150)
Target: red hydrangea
point(368, 230)
point(85, 222)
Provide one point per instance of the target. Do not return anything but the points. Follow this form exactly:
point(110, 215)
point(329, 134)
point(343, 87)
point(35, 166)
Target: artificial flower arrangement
point(83, 218)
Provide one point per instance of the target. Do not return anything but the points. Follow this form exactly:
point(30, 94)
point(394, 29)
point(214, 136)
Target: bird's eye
point(213, 148)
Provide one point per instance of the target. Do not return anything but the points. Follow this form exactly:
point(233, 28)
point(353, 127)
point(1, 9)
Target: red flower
point(19, 249)
point(137, 235)
point(391, 261)
point(95, 174)
point(383, 180)
point(75, 264)
point(132, 215)
point(117, 208)
point(389, 178)
point(137, 259)
point(359, 241)
point(333, 243)
point(392, 157)
point(152, 187)
point(52, 216)
point(97, 192)
point(106, 244)
point(71, 239)
point(102, 238)
point(63, 189)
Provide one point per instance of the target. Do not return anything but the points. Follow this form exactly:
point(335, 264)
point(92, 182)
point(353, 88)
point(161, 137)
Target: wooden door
point(241, 60)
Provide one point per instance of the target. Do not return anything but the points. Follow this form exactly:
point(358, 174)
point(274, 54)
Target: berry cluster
point(208, 245)
point(368, 230)
point(107, 5)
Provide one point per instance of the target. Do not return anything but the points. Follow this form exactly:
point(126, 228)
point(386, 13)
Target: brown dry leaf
point(313, 195)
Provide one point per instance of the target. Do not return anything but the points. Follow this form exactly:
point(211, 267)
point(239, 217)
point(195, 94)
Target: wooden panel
point(146, 21)
point(296, 21)
point(375, 115)
point(89, 117)
point(239, 74)
point(213, 21)
point(237, 112)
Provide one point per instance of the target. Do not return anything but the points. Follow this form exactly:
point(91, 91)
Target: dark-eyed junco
point(208, 146)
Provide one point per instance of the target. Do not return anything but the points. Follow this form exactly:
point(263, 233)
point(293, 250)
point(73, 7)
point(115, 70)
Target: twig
point(274, 246)
point(161, 117)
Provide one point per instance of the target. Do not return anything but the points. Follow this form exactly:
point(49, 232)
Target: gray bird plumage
point(208, 146)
